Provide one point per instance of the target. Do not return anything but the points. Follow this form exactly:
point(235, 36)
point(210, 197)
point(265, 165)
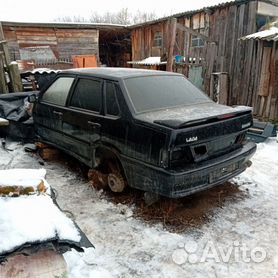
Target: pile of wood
point(17, 190)
point(47, 152)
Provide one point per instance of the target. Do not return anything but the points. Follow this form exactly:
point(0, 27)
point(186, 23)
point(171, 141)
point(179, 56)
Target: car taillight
point(181, 156)
point(177, 155)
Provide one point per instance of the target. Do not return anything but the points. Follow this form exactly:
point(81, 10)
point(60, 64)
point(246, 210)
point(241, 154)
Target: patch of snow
point(22, 177)
point(148, 61)
point(33, 218)
point(27, 219)
point(264, 171)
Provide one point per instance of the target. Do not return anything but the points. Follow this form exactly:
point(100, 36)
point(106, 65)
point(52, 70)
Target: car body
point(166, 135)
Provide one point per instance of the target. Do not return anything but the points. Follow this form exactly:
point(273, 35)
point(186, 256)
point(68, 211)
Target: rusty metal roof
point(266, 35)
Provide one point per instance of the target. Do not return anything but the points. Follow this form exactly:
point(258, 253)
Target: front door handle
point(93, 124)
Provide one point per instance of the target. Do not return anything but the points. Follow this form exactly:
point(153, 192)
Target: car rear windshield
point(149, 93)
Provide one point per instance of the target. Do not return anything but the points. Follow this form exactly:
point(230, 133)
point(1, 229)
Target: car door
point(114, 126)
point(83, 118)
point(48, 112)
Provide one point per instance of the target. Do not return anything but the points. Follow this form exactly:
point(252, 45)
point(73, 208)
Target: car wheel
point(116, 182)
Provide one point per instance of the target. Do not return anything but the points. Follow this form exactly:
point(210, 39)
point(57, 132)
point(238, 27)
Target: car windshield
point(149, 93)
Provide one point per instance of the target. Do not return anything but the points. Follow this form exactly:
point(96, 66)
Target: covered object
point(32, 225)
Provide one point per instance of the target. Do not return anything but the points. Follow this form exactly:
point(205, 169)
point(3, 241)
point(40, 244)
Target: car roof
point(117, 73)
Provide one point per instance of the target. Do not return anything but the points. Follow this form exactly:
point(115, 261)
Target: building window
point(157, 41)
point(197, 41)
point(263, 22)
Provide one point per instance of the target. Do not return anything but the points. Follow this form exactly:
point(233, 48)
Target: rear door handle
point(58, 113)
point(93, 124)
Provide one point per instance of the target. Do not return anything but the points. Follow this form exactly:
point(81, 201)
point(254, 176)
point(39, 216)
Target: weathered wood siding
point(64, 42)
point(224, 52)
point(142, 38)
point(229, 54)
point(265, 97)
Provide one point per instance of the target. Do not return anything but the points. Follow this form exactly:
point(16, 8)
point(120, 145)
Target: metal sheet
point(267, 35)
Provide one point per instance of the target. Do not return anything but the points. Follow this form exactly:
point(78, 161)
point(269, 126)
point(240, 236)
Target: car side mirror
point(32, 98)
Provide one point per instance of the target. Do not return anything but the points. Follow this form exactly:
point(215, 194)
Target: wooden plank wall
point(248, 63)
point(230, 54)
point(76, 42)
point(64, 42)
point(142, 38)
point(266, 101)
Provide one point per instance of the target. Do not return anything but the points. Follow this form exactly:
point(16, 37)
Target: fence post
point(15, 77)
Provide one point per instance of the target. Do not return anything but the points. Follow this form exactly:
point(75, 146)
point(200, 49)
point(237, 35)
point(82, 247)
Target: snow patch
point(30, 219)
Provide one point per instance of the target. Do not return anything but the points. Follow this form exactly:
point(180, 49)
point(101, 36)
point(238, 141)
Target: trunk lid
point(202, 132)
point(185, 116)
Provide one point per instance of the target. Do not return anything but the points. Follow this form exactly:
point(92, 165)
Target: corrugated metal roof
point(266, 35)
point(150, 61)
point(116, 26)
point(76, 25)
point(191, 12)
point(103, 26)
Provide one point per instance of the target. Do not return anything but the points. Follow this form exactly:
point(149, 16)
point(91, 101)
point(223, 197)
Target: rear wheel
point(116, 182)
point(109, 172)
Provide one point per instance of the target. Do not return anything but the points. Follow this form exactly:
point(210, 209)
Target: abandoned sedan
point(152, 130)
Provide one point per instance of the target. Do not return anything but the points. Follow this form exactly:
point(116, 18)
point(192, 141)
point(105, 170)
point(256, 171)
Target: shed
point(265, 65)
point(54, 44)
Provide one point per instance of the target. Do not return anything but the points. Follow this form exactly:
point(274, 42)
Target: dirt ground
point(175, 215)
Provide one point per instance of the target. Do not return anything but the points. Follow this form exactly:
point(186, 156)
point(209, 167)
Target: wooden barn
point(205, 46)
point(56, 44)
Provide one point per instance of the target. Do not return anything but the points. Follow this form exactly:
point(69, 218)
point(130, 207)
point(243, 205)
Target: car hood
point(183, 116)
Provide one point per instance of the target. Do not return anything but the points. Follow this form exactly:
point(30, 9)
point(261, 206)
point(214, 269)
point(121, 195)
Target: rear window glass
point(58, 92)
point(157, 92)
point(87, 95)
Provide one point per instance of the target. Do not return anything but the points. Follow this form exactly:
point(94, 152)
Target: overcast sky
point(48, 10)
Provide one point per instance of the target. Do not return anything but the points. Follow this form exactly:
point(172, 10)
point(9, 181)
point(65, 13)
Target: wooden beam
point(193, 32)
point(3, 84)
point(172, 40)
point(4, 46)
point(15, 77)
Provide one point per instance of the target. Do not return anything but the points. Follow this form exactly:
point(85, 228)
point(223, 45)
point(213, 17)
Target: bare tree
point(71, 19)
point(140, 17)
point(121, 17)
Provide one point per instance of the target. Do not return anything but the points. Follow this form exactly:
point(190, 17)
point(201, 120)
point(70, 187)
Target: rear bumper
point(176, 184)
